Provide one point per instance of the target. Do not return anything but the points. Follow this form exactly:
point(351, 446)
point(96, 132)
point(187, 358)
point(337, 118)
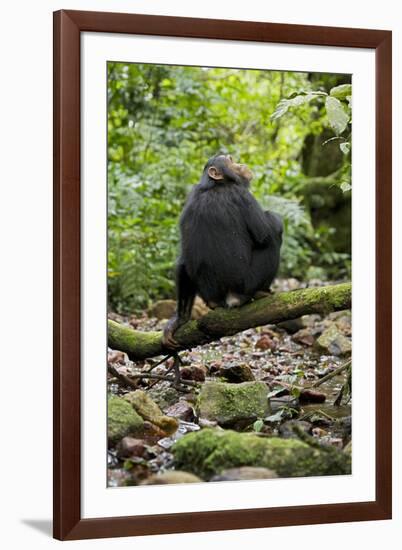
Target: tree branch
point(275, 308)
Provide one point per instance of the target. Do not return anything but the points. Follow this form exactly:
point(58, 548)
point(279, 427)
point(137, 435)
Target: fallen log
point(272, 309)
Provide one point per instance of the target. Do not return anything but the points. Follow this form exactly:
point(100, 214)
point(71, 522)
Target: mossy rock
point(332, 341)
point(210, 451)
point(163, 396)
point(149, 410)
point(232, 404)
point(171, 477)
point(122, 420)
point(348, 449)
point(244, 473)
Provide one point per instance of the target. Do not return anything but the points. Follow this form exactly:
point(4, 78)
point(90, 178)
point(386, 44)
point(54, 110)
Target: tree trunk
point(272, 309)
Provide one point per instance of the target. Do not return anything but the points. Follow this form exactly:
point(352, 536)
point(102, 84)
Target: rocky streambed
point(268, 402)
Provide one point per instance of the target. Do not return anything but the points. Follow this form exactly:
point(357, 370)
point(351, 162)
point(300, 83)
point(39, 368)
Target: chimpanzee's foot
point(168, 341)
point(233, 299)
point(170, 328)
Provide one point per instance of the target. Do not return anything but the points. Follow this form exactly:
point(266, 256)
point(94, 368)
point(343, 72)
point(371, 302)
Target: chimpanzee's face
point(241, 169)
point(222, 168)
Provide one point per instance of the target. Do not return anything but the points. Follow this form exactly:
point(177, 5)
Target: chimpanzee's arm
point(186, 291)
point(258, 222)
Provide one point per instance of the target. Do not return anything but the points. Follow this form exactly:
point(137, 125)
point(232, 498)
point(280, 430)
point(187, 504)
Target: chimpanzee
point(229, 245)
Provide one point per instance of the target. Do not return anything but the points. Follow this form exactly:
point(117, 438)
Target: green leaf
point(258, 425)
point(294, 101)
point(338, 118)
point(295, 392)
point(345, 186)
point(342, 91)
point(344, 147)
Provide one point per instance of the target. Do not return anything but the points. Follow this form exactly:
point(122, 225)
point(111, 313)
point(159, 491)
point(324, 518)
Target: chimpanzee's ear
point(214, 173)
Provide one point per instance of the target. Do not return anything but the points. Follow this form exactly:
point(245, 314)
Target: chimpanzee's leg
point(186, 291)
point(263, 269)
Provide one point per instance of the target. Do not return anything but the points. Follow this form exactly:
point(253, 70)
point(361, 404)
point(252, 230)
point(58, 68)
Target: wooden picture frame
point(68, 26)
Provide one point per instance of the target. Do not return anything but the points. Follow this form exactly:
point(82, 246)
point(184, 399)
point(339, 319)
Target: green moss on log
point(128, 340)
point(225, 322)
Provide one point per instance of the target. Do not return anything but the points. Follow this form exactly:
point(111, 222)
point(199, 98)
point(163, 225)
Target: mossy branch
point(272, 309)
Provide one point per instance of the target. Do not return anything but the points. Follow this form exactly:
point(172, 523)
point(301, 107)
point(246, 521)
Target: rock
point(286, 401)
point(287, 431)
point(163, 309)
point(244, 473)
point(318, 432)
point(122, 420)
point(288, 284)
point(336, 442)
point(308, 395)
point(214, 366)
point(236, 373)
point(291, 326)
point(200, 309)
point(232, 404)
point(334, 342)
point(129, 446)
point(304, 336)
point(153, 433)
point(164, 397)
point(118, 477)
point(319, 419)
point(150, 411)
point(336, 315)
point(344, 323)
point(343, 427)
point(193, 372)
point(116, 357)
point(265, 342)
point(294, 325)
point(171, 477)
point(209, 452)
point(182, 410)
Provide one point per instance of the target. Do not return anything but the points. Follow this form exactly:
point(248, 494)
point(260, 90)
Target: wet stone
point(172, 477)
point(236, 373)
point(334, 342)
point(181, 410)
point(244, 473)
point(130, 446)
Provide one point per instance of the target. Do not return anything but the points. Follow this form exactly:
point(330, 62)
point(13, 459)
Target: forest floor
point(291, 359)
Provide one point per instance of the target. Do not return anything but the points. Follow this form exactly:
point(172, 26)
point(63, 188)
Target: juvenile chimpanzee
point(229, 245)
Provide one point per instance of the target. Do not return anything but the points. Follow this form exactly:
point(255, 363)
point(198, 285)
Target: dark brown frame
point(68, 26)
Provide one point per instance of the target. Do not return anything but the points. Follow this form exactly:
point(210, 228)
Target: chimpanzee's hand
point(167, 339)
